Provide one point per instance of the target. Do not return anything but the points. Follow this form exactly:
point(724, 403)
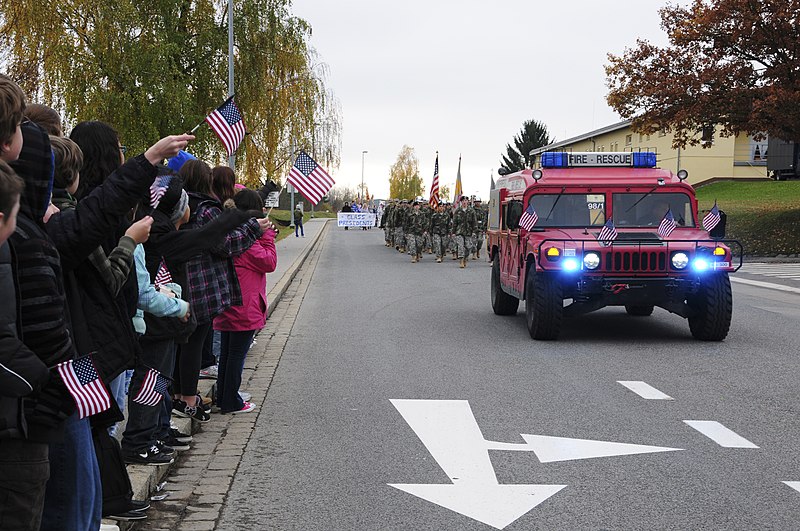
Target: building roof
point(586, 136)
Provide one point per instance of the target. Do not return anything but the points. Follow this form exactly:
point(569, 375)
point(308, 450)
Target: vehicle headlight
point(700, 264)
point(680, 260)
point(570, 264)
point(591, 260)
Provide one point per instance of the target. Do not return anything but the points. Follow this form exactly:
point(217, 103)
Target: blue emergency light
point(599, 159)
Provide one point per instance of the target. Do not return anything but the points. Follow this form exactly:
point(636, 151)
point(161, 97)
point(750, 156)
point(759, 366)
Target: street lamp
point(362, 175)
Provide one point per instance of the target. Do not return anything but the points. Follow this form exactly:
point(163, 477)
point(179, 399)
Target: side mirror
point(718, 232)
point(502, 170)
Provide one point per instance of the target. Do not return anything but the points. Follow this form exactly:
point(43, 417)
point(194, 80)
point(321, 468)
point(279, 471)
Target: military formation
point(415, 227)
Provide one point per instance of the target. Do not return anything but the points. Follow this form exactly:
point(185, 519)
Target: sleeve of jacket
point(115, 267)
point(237, 240)
point(21, 371)
point(262, 257)
point(150, 299)
point(78, 232)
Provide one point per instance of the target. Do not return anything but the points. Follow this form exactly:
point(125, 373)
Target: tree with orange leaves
point(731, 63)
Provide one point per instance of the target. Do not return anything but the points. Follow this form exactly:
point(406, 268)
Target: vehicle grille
point(635, 261)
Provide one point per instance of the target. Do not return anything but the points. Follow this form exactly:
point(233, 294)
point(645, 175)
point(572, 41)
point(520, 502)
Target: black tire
point(639, 311)
point(544, 305)
point(502, 302)
point(713, 305)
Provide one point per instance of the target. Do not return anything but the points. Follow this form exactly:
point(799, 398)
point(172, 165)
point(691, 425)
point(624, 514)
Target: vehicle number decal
point(596, 206)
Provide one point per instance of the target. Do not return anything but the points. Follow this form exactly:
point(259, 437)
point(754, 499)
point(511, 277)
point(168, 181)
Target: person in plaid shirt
point(213, 286)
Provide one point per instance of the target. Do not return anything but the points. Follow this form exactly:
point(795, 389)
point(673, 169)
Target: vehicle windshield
point(643, 210)
point(571, 210)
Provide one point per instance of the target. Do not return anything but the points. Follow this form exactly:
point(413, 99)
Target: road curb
point(145, 479)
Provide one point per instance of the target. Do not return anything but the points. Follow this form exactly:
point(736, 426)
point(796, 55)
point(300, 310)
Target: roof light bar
point(629, 159)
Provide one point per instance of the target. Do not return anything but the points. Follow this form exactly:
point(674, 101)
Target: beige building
point(738, 157)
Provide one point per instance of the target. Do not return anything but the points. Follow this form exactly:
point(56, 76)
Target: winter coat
point(21, 372)
point(251, 269)
point(213, 286)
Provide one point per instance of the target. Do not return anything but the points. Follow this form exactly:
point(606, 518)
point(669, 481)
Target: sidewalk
point(292, 253)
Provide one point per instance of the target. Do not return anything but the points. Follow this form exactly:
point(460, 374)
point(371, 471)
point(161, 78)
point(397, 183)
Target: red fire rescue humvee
point(590, 230)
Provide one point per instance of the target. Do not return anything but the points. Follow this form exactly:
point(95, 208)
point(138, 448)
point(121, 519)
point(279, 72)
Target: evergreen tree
point(533, 135)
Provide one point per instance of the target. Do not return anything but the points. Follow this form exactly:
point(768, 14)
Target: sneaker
point(175, 443)
point(178, 435)
point(209, 373)
point(165, 449)
point(139, 506)
point(182, 409)
point(127, 516)
point(245, 396)
point(109, 527)
point(246, 408)
point(147, 456)
point(204, 402)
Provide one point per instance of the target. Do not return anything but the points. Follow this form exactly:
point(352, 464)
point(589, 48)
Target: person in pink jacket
point(238, 324)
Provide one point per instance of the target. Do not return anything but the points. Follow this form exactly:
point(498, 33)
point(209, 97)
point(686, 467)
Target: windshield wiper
point(640, 199)
point(555, 203)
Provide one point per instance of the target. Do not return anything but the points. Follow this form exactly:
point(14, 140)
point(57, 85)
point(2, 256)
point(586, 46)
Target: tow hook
point(616, 289)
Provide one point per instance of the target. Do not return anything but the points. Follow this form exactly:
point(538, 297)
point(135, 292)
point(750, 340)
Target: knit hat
point(179, 160)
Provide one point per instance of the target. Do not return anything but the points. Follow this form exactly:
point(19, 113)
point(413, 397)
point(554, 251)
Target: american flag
point(667, 225)
point(85, 386)
point(529, 218)
point(711, 219)
point(227, 122)
point(158, 189)
point(310, 178)
point(154, 387)
point(434, 200)
point(608, 233)
point(163, 276)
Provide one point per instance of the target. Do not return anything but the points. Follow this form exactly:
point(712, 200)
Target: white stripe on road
point(645, 390)
point(767, 285)
point(720, 434)
point(794, 484)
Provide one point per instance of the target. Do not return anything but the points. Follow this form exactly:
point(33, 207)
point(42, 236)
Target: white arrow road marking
point(720, 434)
point(494, 505)
point(451, 434)
point(794, 484)
point(645, 390)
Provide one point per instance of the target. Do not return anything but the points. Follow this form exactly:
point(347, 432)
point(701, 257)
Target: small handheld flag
point(667, 225)
point(310, 178)
point(163, 276)
point(154, 387)
point(529, 218)
point(711, 219)
point(85, 386)
point(227, 122)
point(434, 199)
point(608, 233)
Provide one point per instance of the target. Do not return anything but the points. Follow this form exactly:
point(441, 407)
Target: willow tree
point(404, 179)
point(158, 67)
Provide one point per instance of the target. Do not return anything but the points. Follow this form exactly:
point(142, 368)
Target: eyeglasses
point(123, 149)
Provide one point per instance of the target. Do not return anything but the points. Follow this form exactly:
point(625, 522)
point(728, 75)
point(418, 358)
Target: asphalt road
point(374, 328)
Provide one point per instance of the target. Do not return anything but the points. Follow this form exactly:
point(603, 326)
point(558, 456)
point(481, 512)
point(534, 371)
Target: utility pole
point(362, 175)
point(232, 158)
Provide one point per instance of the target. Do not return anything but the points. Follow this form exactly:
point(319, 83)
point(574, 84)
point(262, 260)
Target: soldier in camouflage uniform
point(415, 228)
point(463, 228)
point(427, 242)
point(440, 229)
point(386, 224)
point(481, 220)
point(398, 219)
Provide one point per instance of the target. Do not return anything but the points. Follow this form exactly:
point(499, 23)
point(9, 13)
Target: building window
point(662, 131)
point(629, 139)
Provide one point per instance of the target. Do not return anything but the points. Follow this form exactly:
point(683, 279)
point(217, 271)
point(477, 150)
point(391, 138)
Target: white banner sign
point(272, 200)
point(355, 219)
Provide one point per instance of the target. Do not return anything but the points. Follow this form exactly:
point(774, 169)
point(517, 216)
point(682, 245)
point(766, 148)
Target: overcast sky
point(461, 76)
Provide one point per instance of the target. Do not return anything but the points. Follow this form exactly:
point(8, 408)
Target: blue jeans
point(74, 496)
point(231, 364)
point(299, 226)
point(119, 390)
point(144, 421)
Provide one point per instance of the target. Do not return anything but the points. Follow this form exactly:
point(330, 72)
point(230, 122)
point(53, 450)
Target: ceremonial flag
point(711, 219)
point(458, 191)
point(85, 386)
point(491, 185)
point(227, 122)
point(163, 276)
point(434, 199)
point(608, 233)
point(154, 387)
point(310, 178)
point(529, 218)
point(667, 225)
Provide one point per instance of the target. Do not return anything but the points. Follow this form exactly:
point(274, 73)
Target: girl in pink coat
point(238, 324)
